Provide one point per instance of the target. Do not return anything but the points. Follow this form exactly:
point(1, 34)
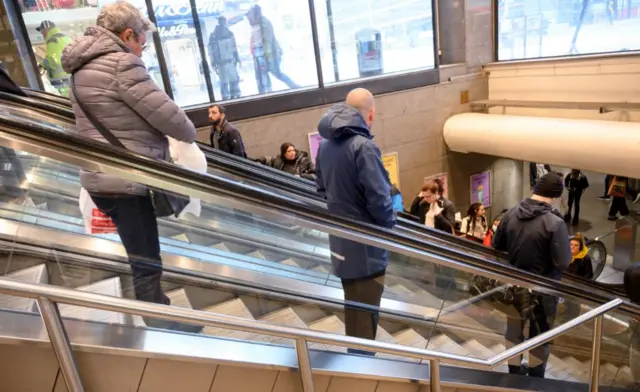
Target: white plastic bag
point(95, 221)
point(189, 156)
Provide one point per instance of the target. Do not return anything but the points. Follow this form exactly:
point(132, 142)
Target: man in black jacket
point(224, 136)
point(537, 240)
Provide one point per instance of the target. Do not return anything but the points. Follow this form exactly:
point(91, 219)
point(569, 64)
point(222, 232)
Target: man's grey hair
point(119, 16)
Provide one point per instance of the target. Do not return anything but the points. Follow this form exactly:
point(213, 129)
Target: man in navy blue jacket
point(350, 174)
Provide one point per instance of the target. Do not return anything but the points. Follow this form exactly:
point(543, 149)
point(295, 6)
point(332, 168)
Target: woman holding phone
point(433, 209)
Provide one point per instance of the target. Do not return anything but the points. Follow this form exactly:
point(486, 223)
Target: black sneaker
point(612, 218)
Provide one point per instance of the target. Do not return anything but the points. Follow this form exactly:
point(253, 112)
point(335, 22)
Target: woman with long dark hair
point(475, 225)
point(292, 161)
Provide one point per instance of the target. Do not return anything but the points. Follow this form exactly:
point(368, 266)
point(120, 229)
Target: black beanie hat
point(550, 185)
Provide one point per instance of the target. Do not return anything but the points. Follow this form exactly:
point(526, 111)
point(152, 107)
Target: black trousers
point(540, 312)
point(138, 229)
point(618, 204)
point(363, 323)
point(574, 203)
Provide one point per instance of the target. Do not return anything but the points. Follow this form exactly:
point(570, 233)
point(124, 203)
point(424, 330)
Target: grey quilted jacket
point(117, 89)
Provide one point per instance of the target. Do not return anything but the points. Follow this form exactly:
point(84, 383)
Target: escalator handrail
point(64, 295)
point(278, 179)
point(104, 157)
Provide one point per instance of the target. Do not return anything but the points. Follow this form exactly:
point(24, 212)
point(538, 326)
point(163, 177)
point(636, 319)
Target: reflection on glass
point(530, 29)
point(364, 38)
point(257, 49)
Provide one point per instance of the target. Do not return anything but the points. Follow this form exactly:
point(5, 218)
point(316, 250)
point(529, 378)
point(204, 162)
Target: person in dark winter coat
point(433, 209)
point(292, 161)
point(225, 59)
point(580, 260)
point(537, 170)
point(224, 136)
point(536, 238)
point(576, 183)
point(350, 173)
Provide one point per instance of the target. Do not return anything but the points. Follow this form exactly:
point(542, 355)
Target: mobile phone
point(440, 203)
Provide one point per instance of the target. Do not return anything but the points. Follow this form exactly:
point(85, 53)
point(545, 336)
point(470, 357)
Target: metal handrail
point(46, 294)
point(479, 250)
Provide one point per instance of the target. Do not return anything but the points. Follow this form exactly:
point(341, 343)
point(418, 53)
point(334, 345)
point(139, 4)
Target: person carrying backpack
point(618, 193)
point(576, 183)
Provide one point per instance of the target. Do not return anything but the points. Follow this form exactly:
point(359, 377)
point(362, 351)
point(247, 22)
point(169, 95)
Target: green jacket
point(56, 42)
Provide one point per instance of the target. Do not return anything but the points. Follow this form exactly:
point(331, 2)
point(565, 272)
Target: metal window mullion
point(157, 43)
point(332, 40)
point(316, 42)
point(203, 54)
point(435, 25)
point(14, 14)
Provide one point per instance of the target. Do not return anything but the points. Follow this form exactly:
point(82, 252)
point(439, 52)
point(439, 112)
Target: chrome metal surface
point(60, 343)
point(434, 375)
point(304, 365)
point(594, 382)
point(96, 301)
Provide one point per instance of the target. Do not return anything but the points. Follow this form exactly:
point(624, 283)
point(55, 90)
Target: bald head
point(362, 100)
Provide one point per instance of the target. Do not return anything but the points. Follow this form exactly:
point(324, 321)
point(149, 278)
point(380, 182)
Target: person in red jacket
point(496, 222)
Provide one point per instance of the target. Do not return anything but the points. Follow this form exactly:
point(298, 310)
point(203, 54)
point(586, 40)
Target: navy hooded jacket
point(350, 174)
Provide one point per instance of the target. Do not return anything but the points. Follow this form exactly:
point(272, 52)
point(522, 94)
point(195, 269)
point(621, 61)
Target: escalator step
point(445, 344)
point(111, 287)
point(235, 308)
point(331, 324)
point(35, 274)
point(321, 269)
point(410, 337)
point(286, 316)
point(181, 237)
point(256, 254)
point(290, 262)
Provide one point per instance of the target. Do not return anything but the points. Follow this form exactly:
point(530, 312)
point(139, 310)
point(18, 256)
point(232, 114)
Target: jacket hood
point(220, 31)
point(529, 209)
point(96, 42)
point(342, 122)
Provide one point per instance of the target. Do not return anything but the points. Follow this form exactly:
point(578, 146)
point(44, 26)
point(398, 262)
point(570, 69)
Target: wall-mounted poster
point(390, 162)
point(443, 178)
point(481, 188)
point(314, 144)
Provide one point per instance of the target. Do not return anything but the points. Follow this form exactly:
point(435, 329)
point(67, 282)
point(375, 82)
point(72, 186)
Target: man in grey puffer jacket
point(113, 83)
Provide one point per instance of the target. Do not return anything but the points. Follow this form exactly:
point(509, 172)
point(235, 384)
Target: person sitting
point(292, 161)
point(580, 260)
point(474, 225)
point(433, 209)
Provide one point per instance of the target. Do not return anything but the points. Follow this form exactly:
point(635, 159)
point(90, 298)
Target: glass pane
point(51, 25)
point(257, 49)
point(364, 38)
point(530, 29)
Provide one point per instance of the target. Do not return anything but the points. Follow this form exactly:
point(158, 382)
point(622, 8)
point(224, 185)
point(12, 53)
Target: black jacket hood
point(529, 209)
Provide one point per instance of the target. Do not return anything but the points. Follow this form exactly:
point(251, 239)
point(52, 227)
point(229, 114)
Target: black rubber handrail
point(276, 178)
point(148, 168)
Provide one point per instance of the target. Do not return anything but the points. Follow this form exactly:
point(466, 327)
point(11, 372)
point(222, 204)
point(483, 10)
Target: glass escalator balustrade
point(424, 304)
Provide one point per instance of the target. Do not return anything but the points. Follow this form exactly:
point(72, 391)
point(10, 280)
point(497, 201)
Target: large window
point(543, 28)
point(235, 49)
point(360, 38)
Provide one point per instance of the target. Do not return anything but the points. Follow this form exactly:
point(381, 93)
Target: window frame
point(289, 100)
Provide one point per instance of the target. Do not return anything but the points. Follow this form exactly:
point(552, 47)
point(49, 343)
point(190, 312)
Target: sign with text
point(481, 188)
point(314, 144)
point(442, 177)
point(390, 162)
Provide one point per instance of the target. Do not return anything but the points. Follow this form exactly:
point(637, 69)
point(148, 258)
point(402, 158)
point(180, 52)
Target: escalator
point(266, 268)
point(237, 168)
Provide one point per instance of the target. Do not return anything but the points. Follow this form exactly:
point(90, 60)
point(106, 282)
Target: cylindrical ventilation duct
point(611, 147)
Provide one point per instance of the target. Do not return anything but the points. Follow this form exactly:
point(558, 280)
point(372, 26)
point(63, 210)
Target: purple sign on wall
point(314, 145)
point(481, 188)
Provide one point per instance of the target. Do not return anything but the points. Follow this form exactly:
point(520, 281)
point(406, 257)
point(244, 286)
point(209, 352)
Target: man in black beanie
point(536, 238)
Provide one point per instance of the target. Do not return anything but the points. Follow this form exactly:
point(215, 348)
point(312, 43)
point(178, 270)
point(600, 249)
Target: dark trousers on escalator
point(574, 204)
point(363, 323)
point(540, 312)
point(618, 204)
point(138, 229)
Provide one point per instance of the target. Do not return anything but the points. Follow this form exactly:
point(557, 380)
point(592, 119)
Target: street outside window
point(545, 28)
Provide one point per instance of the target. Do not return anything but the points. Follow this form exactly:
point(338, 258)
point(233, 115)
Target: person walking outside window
point(266, 51)
point(350, 174)
point(224, 136)
point(225, 59)
point(576, 183)
point(56, 42)
point(537, 240)
point(115, 88)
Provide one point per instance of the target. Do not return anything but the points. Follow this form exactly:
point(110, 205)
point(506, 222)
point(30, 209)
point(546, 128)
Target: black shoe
point(513, 369)
point(537, 371)
point(567, 218)
point(575, 222)
point(612, 218)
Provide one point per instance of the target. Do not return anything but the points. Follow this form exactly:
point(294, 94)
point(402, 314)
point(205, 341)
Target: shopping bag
point(189, 156)
point(95, 221)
